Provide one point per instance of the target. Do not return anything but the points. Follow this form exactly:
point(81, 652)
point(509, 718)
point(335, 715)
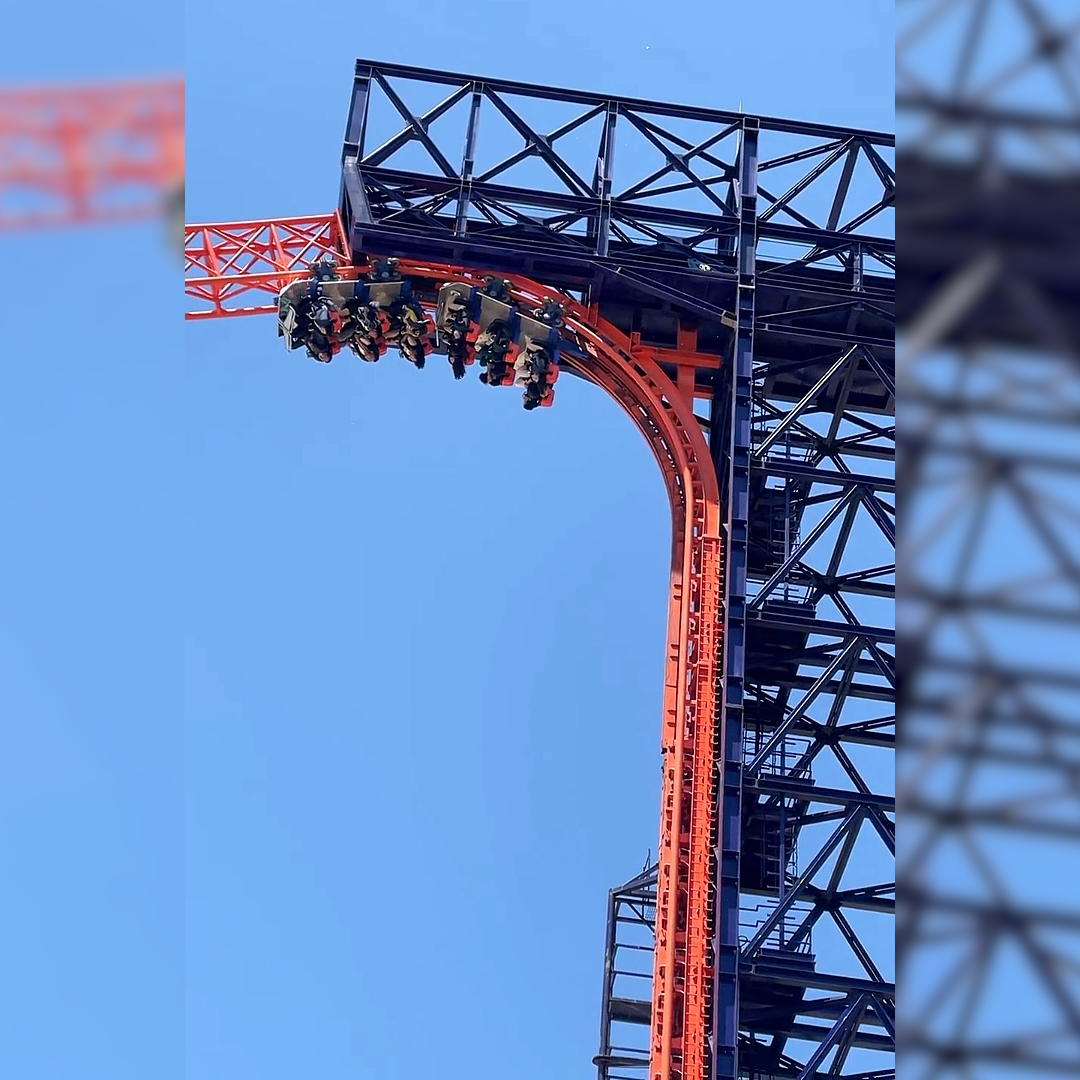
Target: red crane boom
point(80, 154)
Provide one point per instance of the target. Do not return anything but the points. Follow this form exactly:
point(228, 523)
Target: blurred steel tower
point(988, 104)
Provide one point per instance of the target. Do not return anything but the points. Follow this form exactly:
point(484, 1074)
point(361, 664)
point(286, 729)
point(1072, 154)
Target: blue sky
point(109, 39)
point(422, 630)
point(90, 767)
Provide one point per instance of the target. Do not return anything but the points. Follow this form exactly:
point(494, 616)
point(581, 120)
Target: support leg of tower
point(731, 453)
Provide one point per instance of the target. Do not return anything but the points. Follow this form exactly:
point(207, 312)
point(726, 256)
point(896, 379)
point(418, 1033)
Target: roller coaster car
point(456, 319)
point(313, 313)
point(292, 314)
point(537, 364)
point(319, 315)
point(496, 350)
point(372, 326)
point(411, 330)
point(479, 324)
point(537, 374)
point(325, 314)
point(404, 321)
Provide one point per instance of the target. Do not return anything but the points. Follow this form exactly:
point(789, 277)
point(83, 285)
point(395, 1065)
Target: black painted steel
point(989, 934)
point(771, 242)
point(656, 237)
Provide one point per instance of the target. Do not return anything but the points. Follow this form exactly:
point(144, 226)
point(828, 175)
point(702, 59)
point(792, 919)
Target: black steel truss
point(988, 936)
point(772, 241)
point(635, 201)
point(816, 988)
point(990, 153)
point(626, 1003)
point(804, 443)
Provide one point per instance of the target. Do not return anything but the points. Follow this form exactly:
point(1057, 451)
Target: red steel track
point(239, 268)
point(80, 154)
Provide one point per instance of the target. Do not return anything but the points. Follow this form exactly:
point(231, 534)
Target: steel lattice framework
point(71, 155)
point(734, 282)
point(989, 109)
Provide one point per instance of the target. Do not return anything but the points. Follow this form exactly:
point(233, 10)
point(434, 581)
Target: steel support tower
point(732, 289)
point(988, 107)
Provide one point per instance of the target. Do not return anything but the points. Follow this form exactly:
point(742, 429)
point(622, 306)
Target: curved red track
point(227, 263)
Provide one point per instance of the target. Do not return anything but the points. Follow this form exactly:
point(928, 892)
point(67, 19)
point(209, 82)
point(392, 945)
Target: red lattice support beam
point(239, 268)
point(90, 153)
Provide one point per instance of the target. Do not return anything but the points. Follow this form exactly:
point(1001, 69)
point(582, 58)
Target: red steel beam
point(72, 155)
point(239, 268)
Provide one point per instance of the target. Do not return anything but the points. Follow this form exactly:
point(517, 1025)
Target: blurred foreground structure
point(988, 114)
point(98, 153)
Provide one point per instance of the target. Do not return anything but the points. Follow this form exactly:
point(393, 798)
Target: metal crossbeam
point(535, 182)
point(990, 308)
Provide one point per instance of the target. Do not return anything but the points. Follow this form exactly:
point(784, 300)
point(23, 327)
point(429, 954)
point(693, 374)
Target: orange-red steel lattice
point(238, 269)
point(89, 153)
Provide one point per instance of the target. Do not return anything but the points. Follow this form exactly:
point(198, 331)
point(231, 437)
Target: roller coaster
point(987, 232)
point(700, 283)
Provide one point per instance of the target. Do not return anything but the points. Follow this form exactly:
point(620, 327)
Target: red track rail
point(89, 154)
point(238, 269)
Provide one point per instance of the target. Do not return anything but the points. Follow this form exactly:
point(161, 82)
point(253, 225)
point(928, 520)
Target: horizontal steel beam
point(778, 784)
point(815, 980)
point(864, 1040)
point(794, 470)
point(587, 98)
point(825, 627)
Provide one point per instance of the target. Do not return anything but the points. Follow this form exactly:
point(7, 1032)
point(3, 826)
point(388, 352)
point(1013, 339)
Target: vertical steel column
point(356, 125)
point(725, 1030)
point(468, 162)
point(610, 945)
point(352, 199)
point(602, 181)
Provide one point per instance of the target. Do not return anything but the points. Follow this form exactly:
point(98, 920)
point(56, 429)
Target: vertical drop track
point(227, 263)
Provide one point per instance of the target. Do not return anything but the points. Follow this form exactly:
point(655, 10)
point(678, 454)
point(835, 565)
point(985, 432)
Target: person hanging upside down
point(492, 350)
